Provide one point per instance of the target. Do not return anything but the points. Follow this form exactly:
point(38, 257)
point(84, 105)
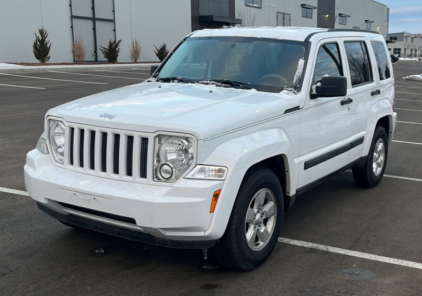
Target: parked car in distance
point(215, 147)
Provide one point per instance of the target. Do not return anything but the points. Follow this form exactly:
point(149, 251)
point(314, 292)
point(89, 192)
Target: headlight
point(57, 139)
point(206, 172)
point(42, 145)
point(173, 157)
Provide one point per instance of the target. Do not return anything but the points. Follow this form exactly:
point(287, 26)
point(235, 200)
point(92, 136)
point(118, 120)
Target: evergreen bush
point(112, 51)
point(161, 52)
point(42, 46)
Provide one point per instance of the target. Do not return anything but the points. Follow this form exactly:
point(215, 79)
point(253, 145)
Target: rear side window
point(328, 62)
point(382, 60)
point(359, 63)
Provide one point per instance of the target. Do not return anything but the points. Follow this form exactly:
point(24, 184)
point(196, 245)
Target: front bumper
point(123, 232)
point(178, 213)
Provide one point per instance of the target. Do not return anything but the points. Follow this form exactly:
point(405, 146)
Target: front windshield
point(264, 64)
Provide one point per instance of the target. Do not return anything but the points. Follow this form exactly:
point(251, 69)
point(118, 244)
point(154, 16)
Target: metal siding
point(82, 8)
point(104, 9)
point(105, 33)
point(84, 29)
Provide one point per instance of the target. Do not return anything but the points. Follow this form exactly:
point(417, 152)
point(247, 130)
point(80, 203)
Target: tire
point(260, 194)
point(370, 175)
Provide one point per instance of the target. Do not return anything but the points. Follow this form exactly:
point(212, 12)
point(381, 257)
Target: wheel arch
point(269, 148)
point(381, 114)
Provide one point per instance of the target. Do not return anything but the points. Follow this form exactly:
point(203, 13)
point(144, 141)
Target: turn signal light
point(214, 200)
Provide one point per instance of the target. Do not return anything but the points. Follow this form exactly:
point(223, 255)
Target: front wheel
point(370, 175)
point(255, 223)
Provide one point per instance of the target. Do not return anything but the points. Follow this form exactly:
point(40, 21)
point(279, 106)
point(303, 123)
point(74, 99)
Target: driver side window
point(328, 62)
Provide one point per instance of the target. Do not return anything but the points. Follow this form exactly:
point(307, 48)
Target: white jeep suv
point(214, 147)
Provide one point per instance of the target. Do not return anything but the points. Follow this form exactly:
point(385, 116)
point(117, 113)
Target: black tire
point(233, 250)
point(365, 176)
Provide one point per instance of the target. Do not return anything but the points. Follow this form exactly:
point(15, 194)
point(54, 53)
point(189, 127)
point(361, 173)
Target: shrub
point(161, 52)
point(42, 46)
point(112, 51)
point(135, 50)
point(78, 50)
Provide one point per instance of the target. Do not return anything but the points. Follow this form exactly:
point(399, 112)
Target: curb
point(78, 68)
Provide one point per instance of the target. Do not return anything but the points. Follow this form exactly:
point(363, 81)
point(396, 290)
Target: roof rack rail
point(353, 30)
point(340, 30)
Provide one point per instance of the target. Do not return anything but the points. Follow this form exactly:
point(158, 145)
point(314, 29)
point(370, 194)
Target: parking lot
point(346, 240)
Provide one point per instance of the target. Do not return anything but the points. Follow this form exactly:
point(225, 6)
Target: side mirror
point(153, 69)
point(394, 58)
point(331, 87)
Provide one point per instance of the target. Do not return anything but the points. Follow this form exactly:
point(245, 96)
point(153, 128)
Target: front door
point(325, 122)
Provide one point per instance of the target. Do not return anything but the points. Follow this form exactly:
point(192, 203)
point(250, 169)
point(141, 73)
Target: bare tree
point(78, 50)
point(418, 35)
point(135, 50)
point(248, 18)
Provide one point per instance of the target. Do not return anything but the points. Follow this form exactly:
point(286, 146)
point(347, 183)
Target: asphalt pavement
point(348, 240)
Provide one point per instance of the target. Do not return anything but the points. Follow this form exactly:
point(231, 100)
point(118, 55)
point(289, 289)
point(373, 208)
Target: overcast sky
point(405, 15)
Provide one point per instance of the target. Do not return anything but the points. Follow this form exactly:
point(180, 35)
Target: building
point(156, 22)
point(356, 14)
point(405, 45)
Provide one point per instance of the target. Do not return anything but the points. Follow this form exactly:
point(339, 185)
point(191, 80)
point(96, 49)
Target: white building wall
point(20, 19)
point(152, 23)
point(267, 15)
point(361, 10)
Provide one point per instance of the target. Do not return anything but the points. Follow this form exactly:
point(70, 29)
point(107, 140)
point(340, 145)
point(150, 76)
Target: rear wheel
point(370, 175)
point(255, 223)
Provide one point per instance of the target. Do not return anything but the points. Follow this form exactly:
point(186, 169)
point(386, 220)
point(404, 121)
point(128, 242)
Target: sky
point(405, 15)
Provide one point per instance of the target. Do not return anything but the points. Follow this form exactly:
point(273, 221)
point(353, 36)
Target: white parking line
point(408, 109)
point(122, 72)
point(13, 191)
point(403, 178)
point(53, 79)
point(402, 86)
point(416, 101)
point(407, 122)
point(413, 143)
point(73, 73)
point(350, 253)
point(409, 93)
point(20, 86)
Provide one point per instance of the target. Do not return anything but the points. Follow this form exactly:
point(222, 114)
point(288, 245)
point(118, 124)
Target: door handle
point(376, 92)
point(346, 101)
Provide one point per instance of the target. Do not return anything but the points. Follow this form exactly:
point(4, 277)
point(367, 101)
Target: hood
point(201, 110)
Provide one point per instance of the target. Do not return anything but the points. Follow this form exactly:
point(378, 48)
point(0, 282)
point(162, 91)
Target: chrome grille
point(107, 152)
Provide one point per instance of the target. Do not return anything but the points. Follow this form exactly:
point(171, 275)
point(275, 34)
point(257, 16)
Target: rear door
point(363, 90)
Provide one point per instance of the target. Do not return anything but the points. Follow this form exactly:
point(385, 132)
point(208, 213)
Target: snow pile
point(409, 59)
point(417, 77)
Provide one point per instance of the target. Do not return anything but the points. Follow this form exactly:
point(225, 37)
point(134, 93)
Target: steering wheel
point(273, 79)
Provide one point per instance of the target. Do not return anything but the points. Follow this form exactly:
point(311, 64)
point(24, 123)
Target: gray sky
point(405, 15)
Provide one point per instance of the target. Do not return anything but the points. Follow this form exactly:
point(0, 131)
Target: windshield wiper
point(228, 82)
point(174, 78)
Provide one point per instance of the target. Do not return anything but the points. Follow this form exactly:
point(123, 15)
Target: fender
point(379, 110)
point(238, 155)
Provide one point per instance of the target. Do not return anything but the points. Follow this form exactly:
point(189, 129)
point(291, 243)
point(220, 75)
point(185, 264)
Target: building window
point(342, 20)
point(356, 28)
point(397, 51)
point(368, 26)
point(254, 3)
point(307, 12)
point(284, 19)
point(393, 38)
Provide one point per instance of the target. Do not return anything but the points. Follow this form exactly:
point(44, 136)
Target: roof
point(282, 33)
point(286, 33)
